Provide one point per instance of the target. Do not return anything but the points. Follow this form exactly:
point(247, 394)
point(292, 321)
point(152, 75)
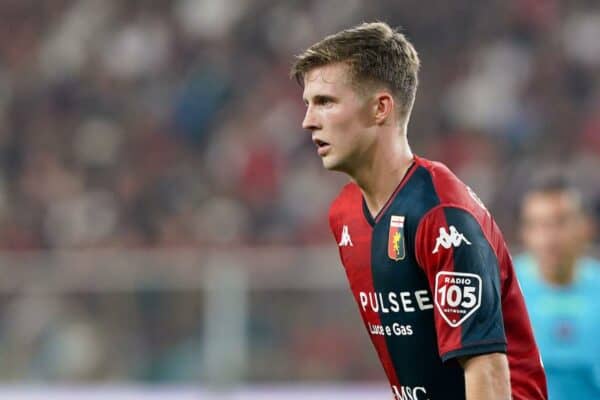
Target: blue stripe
point(415, 357)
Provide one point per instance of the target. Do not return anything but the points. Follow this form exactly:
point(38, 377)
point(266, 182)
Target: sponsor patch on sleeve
point(457, 296)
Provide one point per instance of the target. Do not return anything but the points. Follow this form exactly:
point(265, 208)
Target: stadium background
point(163, 215)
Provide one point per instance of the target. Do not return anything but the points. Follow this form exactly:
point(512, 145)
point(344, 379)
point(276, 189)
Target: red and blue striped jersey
point(434, 281)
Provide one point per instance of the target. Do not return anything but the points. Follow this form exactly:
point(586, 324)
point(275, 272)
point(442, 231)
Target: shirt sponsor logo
point(346, 240)
point(394, 302)
point(396, 249)
point(457, 296)
point(409, 392)
point(452, 239)
point(394, 329)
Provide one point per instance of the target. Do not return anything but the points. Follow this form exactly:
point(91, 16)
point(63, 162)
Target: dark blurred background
point(162, 213)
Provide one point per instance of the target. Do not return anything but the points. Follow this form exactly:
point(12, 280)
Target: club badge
point(396, 249)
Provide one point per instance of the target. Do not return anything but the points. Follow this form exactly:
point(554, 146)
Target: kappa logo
point(346, 240)
point(447, 240)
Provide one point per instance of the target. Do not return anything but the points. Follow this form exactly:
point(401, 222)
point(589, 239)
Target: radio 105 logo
point(457, 296)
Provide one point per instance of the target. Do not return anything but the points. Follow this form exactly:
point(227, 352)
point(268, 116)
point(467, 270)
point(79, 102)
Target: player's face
point(554, 228)
point(338, 117)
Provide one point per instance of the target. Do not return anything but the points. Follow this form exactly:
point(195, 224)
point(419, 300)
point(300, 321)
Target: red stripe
point(357, 265)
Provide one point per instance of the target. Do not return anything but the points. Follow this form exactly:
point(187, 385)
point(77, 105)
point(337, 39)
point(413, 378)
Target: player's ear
point(383, 107)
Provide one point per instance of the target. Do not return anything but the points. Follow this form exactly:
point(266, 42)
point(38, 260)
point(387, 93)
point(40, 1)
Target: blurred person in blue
point(561, 286)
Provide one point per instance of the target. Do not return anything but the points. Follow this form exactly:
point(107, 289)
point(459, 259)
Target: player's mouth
point(322, 146)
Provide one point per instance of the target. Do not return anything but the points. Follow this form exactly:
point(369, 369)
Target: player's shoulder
point(347, 202)
point(458, 216)
point(450, 190)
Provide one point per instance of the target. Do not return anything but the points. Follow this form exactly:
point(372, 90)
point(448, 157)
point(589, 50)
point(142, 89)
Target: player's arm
point(486, 376)
point(464, 275)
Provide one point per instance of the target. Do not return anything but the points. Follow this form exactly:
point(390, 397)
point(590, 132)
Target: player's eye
point(323, 100)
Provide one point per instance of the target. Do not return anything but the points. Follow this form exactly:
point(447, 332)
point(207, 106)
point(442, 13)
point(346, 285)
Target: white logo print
point(447, 240)
point(457, 296)
point(346, 240)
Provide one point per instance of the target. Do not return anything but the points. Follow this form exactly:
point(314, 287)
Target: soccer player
point(561, 287)
point(426, 263)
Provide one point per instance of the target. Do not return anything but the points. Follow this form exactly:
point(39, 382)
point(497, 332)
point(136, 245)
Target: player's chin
point(330, 163)
point(333, 161)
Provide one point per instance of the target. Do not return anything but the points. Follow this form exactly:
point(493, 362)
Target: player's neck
point(380, 175)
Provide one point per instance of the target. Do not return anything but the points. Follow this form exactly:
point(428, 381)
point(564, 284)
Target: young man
point(426, 263)
point(561, 287)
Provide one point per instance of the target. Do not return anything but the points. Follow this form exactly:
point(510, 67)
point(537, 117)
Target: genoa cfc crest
point(396, 249)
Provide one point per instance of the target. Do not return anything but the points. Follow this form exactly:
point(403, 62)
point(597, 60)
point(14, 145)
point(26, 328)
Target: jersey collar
point(374, 220)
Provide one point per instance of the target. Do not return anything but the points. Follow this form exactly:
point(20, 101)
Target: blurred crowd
point(136, 124)
point(173, 123)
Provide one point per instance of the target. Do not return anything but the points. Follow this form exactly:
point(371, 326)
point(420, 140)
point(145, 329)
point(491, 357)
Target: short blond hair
point(376, 55)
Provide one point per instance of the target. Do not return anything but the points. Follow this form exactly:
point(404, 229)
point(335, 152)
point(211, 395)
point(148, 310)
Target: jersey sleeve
point(464, 276)
point(333, 228)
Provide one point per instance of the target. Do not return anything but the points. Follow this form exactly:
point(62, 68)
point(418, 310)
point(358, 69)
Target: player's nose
point(310, 120)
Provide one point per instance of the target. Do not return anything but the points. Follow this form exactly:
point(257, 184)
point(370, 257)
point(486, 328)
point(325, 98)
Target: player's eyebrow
point(320, 99)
